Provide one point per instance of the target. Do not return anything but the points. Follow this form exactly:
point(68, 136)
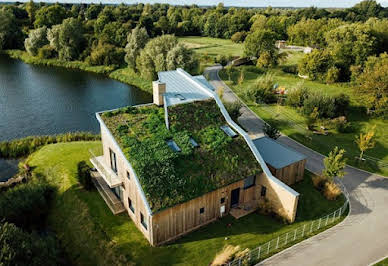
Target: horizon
point(227, 3)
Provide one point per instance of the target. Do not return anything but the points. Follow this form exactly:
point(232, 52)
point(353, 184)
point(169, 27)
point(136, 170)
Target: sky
point(242, 3)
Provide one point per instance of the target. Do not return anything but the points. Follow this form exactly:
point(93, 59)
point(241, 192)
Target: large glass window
point(113, 162)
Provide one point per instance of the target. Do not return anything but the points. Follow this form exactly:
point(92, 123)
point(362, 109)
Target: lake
point(39, 100)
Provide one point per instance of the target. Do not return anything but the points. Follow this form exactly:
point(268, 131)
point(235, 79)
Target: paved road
point(361, 238)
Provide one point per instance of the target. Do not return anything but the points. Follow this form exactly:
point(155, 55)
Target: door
point(234, 197)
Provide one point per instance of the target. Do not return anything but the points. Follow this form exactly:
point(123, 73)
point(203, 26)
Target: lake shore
point(125, 75)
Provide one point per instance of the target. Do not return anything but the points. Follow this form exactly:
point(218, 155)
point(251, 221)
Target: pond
point(39, 100)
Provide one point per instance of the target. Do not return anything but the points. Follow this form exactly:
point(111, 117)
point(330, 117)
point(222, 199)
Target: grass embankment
point(125, 75)
point(292, 123)
point(92, 235)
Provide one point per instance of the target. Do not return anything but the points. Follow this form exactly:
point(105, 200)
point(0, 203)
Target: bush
point(323, 103)
point(331, 191)
point(226, 255)
point(290, 69)
point(239, 37)
point(297, 96)
point(233, 109)
point(262, 90)
point(84, 176)
point(319, 182)
point(333, 75)
point(341, 104)
point(22, 147)
point(46, 52)
point(222, 59)
point(22, 248)
point(271, 132)
point(106, 54)
point(26, 205)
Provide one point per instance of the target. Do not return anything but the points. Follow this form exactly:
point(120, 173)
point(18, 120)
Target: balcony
point(106, 172)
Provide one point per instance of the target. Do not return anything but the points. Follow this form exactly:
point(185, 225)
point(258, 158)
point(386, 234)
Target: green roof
point(171, 177)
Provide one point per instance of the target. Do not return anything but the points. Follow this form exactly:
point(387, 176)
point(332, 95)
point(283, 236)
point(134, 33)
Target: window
point(173, 145)
point(263, 191)
point(228, 131)
point(202, 210)
point(194, 143)
point(249, 181)
point(128, 176)
point(130, 205)
point(113, 163)
point(222, 200)
point(143, 222)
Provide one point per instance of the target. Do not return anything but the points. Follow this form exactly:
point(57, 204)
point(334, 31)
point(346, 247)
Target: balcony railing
point(110, 177)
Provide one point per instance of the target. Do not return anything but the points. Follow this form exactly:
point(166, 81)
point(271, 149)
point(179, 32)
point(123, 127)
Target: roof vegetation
point(167, 177)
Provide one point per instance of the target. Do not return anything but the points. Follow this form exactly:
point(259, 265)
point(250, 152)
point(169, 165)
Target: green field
point(92, 235)
point(382, 263)
point(212, 46)
point(292, 123)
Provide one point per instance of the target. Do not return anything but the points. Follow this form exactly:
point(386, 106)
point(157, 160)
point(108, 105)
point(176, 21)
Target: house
point(181, 162)
point(280, 44)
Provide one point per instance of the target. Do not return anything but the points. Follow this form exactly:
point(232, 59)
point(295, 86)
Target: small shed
point(284, 163)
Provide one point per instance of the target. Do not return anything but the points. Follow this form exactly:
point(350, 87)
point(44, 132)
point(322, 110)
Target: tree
point(137, 39)
point(36, 39)
point(365, 141)
point(50, 15)
point(106, 54)
point(10, 33)
point(181, 57)
point(67, 39)
point(316, 64)
point(372, 84)
point(31, 10)
point(334, 164)
point(164, 53)
point(22, 248)
point(260, 42)
point(271, 132)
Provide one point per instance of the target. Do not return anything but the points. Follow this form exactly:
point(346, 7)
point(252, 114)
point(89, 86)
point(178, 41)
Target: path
point(361, 238)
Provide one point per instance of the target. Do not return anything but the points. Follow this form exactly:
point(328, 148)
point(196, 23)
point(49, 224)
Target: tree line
point(350, 42)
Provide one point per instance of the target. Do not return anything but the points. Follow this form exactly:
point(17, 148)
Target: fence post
point(286, 238)
point(269, 244)
point(333, 216)
point(327, 219)
point(277, 243)
point(311, 227)
point(304, 227)
point(319, 225)
point(239, 262)
point(258, 256)
point(295, 235)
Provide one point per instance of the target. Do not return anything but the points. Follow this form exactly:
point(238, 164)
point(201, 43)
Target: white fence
point(282, 241)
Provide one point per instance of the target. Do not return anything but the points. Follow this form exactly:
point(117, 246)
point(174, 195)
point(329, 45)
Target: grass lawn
point(212, 46)
point(293, 123)
point(92, 235)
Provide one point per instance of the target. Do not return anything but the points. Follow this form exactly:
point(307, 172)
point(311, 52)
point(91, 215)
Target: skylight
point(171, 143)
point(228, 131)
point(194, 143)
point(180, 97)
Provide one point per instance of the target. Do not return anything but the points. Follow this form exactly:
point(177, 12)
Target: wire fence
point(288, 239)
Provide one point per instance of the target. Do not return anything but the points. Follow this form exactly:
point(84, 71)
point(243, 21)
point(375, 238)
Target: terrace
point(194, 157)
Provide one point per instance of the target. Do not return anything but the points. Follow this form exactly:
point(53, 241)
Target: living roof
point(276, 154)
point(167, 177)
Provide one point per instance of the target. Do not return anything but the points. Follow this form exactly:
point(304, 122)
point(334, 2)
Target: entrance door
point(234, 197)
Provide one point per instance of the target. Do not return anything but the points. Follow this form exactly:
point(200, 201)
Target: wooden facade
point(289, 174)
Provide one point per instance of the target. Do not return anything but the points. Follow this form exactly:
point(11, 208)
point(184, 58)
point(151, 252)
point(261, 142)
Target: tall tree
point(50, 15)
point(36, 39)
point(67, 39)
point(137, 39)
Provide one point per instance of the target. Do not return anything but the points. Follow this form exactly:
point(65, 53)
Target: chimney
point(159, 89)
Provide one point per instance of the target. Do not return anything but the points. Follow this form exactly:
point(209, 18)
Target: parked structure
point(182, 162)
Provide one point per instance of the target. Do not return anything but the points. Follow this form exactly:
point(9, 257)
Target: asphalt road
point(362, 238)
